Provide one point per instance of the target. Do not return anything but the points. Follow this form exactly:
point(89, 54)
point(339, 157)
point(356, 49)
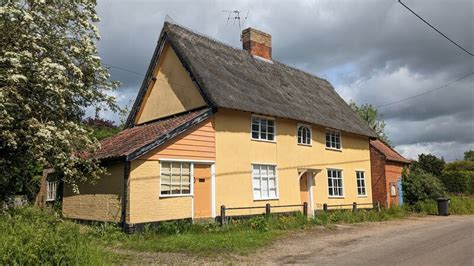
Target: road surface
point(416, 241)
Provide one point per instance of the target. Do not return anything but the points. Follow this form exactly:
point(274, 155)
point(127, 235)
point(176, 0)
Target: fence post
point(222, 215)
point(305, 208)
point(378, 206)
point(267, 209)
point(354, 206)
point(325, 207)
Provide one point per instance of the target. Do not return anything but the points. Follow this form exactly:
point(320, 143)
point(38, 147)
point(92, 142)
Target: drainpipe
point(126, 175)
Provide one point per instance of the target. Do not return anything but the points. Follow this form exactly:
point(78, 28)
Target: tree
point(469, 155)
point(430, 164)
point(50, 72)
point(421, 186)
point(371, 115)
point(101, 128)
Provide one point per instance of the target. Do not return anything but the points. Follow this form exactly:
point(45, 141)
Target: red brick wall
point(379, 186)
point(393, 171)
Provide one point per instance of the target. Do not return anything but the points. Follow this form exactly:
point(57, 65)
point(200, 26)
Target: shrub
point(421, 186)
point(460, 182)
point(31, 237)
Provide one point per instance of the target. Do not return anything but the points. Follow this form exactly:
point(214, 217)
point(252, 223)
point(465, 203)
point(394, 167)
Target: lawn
point(31, 236)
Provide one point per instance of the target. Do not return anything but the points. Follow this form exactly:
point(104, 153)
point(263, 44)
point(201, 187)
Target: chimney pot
point(257, 43)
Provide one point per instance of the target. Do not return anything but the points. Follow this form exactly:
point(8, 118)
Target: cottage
point(387, 166)
point(214, 125)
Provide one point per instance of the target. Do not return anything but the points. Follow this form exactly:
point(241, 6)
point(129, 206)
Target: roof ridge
point(241, 50)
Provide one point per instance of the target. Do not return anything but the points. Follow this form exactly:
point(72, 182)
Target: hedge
point(459, 182)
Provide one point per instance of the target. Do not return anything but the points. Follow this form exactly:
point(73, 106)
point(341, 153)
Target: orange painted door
point(202, 190)
point(304, 193)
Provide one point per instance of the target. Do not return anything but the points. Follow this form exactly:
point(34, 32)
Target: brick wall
point(379, 185)
point(393, 171)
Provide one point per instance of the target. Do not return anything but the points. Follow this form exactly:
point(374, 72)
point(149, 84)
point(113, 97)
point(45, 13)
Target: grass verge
point(31, 237)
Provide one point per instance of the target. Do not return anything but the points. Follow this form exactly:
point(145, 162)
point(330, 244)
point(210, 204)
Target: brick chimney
point(257, 43)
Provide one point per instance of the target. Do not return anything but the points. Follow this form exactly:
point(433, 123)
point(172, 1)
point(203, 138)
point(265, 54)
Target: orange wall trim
point(197, 143)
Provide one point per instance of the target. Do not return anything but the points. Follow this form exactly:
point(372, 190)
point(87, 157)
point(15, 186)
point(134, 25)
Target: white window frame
point(259, 132)
point(51, 190)
point(332, 182)
point(191, 177)
point(364, 181)
point(277, 194)
point(298, 134)
point(332, 131)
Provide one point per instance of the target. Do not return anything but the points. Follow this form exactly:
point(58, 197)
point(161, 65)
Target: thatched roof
point(232, 78)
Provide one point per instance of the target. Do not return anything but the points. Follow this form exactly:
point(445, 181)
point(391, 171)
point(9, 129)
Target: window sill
point(333, 149)
point(336, 197)
point(176, 196)
point(305, 145)
point(263, 140)
point(263, 199)
point(362, 196)
point(50, 200)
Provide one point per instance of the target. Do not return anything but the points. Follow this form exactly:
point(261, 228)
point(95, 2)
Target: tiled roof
point(389, 153)
point(133, 139)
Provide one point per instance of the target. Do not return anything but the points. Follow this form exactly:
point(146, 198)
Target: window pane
point(255, 135)
point(270, 137)
point(271, 123)
point(257, 194)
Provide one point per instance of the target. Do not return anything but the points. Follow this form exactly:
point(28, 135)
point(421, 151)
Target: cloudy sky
point(371, 51)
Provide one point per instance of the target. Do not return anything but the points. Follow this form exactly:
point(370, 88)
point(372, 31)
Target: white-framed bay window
point(264, 181)
point(361, 190)
point(175, 178)
point(335, 183)
point(263, 128)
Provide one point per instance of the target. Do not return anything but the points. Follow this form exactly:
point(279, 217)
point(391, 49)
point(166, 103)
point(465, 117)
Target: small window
point(333, 139)
point(304, 135)
point(361, 183)
point(263, 128)
point(264, 181)
point(51, 190)
point(335, 184)
point(175, 178)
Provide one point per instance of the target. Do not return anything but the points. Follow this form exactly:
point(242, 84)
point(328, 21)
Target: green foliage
point(33, 237)
point(459, 166)
point(101, 128)
point(469, 155)
point(419, 186)
point(460, 182)
point(429, 164)
point(375, 120)
point(458, 205)
point(50, 72)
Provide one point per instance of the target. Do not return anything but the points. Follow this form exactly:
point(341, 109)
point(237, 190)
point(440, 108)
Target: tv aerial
point(234, 15)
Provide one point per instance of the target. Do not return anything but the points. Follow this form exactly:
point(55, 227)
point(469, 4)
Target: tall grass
point(30, 237)
point(458, 205)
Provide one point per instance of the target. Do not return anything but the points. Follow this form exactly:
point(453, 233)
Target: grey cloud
point(372, 51)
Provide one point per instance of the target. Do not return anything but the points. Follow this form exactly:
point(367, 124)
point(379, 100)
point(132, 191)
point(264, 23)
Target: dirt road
point(427, 240)
point(415, 241)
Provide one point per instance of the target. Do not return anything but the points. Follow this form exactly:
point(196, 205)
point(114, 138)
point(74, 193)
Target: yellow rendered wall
point(146, 205)
point(235, 152)
point(145, 202)
point(101, 201)
point(172, 92)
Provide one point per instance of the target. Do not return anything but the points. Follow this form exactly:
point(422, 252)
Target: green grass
point(30, 236)
point(458, 205)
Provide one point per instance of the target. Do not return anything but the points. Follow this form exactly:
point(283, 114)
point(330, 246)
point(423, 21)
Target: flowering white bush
point(49, 73)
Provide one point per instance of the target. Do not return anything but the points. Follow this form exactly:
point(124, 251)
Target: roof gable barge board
point(149, 77)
